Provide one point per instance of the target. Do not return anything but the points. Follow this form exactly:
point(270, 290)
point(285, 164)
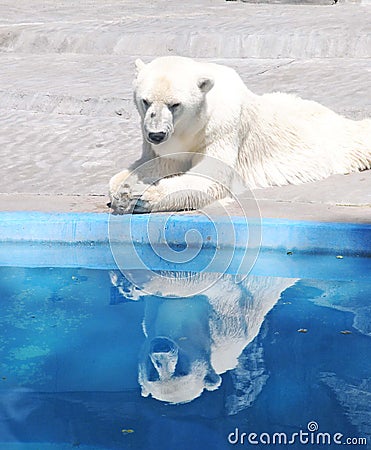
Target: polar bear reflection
point(191, 341)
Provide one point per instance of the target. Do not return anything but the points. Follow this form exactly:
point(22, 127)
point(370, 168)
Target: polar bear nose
point(156, 138)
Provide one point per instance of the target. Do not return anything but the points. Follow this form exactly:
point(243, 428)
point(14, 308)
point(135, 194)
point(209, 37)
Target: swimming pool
point(95, 358)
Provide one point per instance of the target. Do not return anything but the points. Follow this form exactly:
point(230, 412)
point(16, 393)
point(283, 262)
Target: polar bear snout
point(157, 138)
point(164, 356)
point(158, 123)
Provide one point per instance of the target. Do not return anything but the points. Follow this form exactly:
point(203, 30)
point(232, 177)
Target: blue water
point(79, 349)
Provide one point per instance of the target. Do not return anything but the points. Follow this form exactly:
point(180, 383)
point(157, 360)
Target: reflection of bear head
point(190, 341)
point(175, 363)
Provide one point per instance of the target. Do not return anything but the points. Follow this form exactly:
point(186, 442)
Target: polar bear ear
point(144, 392)
point(212, 380)
point(139, 64)
point(205, 84)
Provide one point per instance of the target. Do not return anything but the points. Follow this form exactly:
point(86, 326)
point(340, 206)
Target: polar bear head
point(175, 363)
point(169, 93)
point(176, 372)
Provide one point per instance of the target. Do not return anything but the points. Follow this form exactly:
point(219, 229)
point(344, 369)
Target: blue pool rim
point(89, 228)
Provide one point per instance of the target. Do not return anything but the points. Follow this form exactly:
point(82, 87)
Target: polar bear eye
point(174, 106)
point(146, 103)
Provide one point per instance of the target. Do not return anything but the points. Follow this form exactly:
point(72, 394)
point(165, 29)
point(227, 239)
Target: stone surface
point(197, 28)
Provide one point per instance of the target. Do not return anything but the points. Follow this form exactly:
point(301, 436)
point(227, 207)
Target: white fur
point(273, 139)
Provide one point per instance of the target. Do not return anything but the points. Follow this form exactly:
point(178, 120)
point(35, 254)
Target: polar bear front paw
point(121, 192)
point(116, 181)
point(126, 194)
point(150, 199)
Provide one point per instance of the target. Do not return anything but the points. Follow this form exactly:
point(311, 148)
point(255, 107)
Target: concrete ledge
point(53, 203)
point(235, 232)
point(340, 198)
point(289, 249)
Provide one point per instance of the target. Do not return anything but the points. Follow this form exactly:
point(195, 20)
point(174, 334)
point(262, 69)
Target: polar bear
point(191, 341)
point(203, 129)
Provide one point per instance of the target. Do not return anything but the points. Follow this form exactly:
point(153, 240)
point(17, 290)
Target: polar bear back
point(290, 140)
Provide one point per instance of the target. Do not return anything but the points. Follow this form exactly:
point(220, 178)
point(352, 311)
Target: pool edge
point(74, 228)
